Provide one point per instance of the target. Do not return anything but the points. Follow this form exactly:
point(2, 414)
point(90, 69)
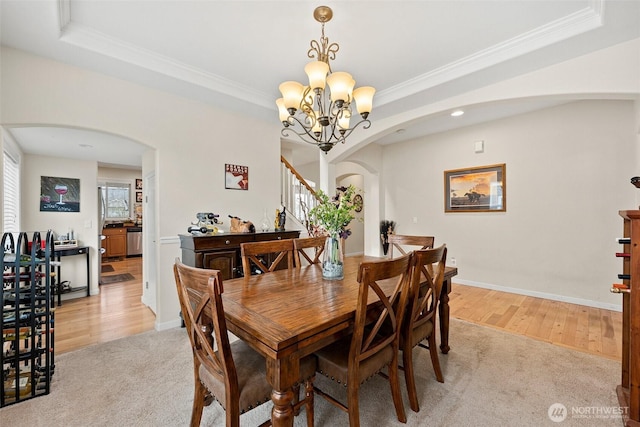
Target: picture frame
point(236, 177)
point(59, 194)
point(138, 184)
point(138, 196)
point(476, 189)
point(358, 202)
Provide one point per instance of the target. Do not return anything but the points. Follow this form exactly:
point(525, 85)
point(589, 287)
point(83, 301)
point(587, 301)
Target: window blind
point(11, 192)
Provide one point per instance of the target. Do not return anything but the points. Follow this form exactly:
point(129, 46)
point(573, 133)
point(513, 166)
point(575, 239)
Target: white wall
point(355, 243)
point(83, 223)
point(567, 176)
point(193, 142)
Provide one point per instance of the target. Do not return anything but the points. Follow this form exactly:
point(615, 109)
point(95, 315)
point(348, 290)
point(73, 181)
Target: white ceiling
point(413, 52)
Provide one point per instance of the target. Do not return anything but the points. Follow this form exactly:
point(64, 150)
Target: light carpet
point(492, 378)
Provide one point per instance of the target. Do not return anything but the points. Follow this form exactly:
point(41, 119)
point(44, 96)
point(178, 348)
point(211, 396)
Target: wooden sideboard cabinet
point(222, 251)
point(629, 389)
point(115, 242)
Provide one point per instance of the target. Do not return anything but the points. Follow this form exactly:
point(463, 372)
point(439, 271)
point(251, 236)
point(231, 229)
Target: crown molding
point(95, 41)
point(587, 19)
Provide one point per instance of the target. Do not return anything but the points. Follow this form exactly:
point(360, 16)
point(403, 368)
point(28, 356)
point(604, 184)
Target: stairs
point(296, 195)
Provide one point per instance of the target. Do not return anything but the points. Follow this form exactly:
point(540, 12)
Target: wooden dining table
point(288, 314)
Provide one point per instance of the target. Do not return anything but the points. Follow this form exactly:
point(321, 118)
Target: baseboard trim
point(168, 325)
point(544, 295)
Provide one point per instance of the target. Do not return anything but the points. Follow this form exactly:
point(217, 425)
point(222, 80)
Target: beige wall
point(193, 142)
point(567, 175)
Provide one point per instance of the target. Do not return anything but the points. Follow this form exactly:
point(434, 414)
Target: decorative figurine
point(240, 226)
point(206, 223)
point(281, 218)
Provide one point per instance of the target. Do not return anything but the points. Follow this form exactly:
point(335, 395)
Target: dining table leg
point(282, 374)
point(444, 315)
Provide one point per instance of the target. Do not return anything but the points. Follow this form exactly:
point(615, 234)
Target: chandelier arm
point(307, 135)
point(320, 118)
point(366, 124)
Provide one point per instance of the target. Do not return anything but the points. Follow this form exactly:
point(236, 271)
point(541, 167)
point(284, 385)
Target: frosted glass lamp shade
point(317, 73)
point(292, 94)
point(364, 99)
point(343, 119)
point(282, 111)
point(341, 85)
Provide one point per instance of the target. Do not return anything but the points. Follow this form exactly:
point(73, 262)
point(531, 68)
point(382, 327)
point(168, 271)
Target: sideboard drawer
point(224, 241)
point(281, 235)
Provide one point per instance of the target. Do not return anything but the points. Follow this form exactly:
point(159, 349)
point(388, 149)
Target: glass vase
point(333, 258)
point(266, 222)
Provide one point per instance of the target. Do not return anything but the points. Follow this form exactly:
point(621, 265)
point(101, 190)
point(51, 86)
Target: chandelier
point(317, 114)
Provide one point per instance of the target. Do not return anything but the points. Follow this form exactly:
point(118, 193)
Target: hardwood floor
point(586, 329)
point(117, 312)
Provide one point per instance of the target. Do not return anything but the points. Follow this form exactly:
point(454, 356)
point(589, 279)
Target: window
point(116, 200)
point(11, 189)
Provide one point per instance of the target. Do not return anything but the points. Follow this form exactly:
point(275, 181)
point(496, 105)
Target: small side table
point(59, 253)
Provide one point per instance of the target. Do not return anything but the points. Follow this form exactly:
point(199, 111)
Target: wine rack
point(27, 356)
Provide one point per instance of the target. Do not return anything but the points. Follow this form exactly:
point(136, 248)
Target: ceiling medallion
point(318, 114)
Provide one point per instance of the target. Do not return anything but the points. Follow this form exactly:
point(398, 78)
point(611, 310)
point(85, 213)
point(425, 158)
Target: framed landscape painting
point(476, 189)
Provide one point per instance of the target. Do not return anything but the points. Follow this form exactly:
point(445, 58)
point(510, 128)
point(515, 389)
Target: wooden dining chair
point(400, 243)
point(315, 247)
point(234, 374)
point(267, 255)
point(420, 319)
point(375, 339)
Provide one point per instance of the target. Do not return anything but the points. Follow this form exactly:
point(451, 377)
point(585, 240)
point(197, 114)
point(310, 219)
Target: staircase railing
point(298, 197)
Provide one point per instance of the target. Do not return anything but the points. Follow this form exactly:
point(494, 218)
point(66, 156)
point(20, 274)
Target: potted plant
point(386, 227)
point(333, 215)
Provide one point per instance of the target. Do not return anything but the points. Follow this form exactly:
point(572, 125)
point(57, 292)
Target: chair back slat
point(260, 253)
point(315, 247)
point(425, 285)
point(389, 315)
point(199, 292)
point(399, 241)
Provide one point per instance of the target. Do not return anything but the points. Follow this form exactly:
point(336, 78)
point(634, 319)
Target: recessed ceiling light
point(85, 145)
point(457, 113)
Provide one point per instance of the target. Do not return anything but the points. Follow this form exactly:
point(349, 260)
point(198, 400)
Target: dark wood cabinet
point(629, 389)
point(222, 251)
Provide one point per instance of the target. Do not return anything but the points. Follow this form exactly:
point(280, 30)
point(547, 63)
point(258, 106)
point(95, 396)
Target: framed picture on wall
point(236, 177)
point(138, 184)
point(59, 194)
point(476, 189)
point(138, 196)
